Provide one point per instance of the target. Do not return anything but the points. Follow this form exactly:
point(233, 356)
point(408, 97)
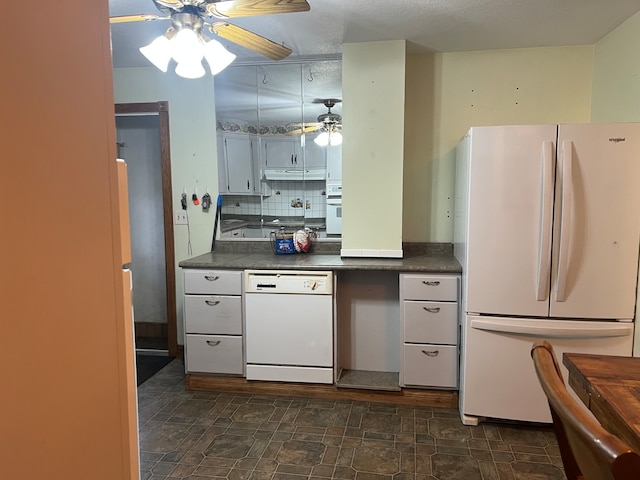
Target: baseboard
point(416, 397)
point(150, 329)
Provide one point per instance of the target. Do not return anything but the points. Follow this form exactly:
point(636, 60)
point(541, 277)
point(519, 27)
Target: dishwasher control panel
point(288, 281)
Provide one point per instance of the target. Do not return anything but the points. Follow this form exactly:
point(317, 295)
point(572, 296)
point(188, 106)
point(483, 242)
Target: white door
point(239, 159)
point(505, 205)
point(596, 227)
point(498, 379)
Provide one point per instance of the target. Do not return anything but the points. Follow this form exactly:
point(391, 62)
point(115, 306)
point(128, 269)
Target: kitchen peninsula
point(390, 340)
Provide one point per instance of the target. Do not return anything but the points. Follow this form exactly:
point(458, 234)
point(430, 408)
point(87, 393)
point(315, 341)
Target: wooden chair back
point(588, 451)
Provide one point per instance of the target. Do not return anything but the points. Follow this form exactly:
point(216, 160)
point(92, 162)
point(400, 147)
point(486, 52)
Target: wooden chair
point(588, 451)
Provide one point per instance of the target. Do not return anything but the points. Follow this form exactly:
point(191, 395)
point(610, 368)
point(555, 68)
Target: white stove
point(334, 209)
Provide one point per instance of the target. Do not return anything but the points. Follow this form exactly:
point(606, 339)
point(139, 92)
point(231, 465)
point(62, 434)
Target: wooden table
point(610, 387)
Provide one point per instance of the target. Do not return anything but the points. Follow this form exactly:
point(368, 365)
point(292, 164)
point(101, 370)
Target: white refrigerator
point(546, 228)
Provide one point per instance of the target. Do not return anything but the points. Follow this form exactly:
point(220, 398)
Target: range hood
point(295, 174)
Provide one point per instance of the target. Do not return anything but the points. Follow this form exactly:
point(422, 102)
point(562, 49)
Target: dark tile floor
point(202, 436)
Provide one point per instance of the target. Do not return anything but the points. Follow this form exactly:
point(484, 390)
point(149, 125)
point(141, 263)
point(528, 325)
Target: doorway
point(142, 131)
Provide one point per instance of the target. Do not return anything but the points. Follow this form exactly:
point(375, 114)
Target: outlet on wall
point(180, 217)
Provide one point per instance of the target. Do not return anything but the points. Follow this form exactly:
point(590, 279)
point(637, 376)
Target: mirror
point(271, 173)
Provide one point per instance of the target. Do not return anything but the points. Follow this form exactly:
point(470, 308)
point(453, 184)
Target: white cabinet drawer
point(220, 315)
point(431, 365)
point(429, 287)
point(213, 354)
point(215, 282)
point(430, 322)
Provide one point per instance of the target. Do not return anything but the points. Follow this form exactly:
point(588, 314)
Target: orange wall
point(65, 397)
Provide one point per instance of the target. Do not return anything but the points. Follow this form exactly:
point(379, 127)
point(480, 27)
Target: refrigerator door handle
point(546, 216)
point(517, 327)
point(566, 216)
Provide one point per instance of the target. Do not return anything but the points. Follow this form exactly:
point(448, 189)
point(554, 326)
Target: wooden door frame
point(162, 110)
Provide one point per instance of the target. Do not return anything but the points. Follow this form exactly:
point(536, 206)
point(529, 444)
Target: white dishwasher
point(289, 326)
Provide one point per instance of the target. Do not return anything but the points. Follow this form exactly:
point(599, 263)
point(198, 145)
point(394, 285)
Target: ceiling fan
point(194, 16)
point(330, 124)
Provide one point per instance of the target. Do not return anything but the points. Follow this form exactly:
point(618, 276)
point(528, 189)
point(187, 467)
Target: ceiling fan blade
point(300, 131)
point(250, 40)
point(142, 17)
point(303, 124)
point(332, 101)
point(175, 4)
point(249, 8)
point(297, 131)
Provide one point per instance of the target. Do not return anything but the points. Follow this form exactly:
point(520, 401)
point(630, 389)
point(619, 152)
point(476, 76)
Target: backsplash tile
point(241, 205)
point(284, 194)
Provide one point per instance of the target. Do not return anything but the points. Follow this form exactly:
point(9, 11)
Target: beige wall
point(616, 75)
point(373, 82)
point(193, 151)
point(520, 86)
point(66, 372)
point(419, 120)
point(616, 88)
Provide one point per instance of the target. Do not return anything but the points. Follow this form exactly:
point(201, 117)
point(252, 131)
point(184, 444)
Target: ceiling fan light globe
point(217, 56)
point(186, 46)
point(322, 139)
point(158, 52)
point(335, 138)
point(190, 69)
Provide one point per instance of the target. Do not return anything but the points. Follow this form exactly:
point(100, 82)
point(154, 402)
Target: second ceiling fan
point(329, 124)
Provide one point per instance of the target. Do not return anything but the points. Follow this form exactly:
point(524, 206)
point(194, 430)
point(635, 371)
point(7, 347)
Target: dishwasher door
point(289, 329)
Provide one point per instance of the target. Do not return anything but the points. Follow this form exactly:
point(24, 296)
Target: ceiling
point(430, 25)
point(276, 89)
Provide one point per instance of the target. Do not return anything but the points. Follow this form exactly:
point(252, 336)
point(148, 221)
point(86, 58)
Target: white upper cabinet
point(239, 162)
point(315, 156)
point(282, 153)
point(334, 163)
point(287, 152)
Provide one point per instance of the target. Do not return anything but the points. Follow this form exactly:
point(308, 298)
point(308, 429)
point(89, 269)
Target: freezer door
point(597, 227)
point(509, 204)
point(498, 379)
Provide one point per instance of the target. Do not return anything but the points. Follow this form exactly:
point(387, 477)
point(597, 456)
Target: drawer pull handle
point(213, 343)
point(432, 353)
point(211, 278)
point(212, 303)
point(431, 283)
point(432, 309)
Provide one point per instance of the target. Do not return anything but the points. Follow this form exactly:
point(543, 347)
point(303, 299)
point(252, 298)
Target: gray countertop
point(428, 258)
point(228, 224)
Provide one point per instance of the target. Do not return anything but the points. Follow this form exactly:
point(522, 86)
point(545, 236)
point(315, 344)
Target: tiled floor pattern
point(204, 436)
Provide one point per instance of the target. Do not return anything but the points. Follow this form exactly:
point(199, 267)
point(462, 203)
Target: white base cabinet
point(213, 321)
point(429, 313)
point(214, 354)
